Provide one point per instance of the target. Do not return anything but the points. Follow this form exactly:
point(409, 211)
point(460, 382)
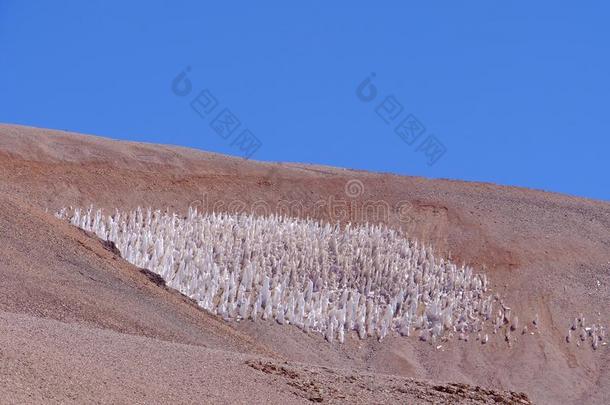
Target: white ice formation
point(332, 279)
point(595, 334)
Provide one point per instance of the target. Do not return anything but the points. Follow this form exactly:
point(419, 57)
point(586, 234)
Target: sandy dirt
point(544, 253)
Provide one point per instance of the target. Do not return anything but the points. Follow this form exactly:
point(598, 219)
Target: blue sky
point(514, 93)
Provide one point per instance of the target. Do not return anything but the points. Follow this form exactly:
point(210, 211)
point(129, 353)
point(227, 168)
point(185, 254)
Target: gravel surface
point(546, 254)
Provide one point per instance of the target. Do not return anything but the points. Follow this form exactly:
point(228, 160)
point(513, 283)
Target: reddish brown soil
point(545, 253)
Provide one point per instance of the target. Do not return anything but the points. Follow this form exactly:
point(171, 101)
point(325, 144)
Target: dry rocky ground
point(79, 324)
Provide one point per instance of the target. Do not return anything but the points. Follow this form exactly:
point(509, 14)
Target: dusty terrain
point(80, 324)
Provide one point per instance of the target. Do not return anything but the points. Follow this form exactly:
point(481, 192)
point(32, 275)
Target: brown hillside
point(544, 253)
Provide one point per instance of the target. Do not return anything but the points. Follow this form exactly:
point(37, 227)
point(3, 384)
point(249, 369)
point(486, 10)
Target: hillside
point(547, 255)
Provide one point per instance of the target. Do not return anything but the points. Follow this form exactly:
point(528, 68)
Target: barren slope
point(45, 361)
point(546, 253)
point(53, 270)
point(79, 324)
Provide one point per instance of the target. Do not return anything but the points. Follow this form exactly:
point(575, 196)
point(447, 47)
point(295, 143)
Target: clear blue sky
point(516, 92)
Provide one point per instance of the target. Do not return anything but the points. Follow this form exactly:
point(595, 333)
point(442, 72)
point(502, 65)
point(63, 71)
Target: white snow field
point(319, 277)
